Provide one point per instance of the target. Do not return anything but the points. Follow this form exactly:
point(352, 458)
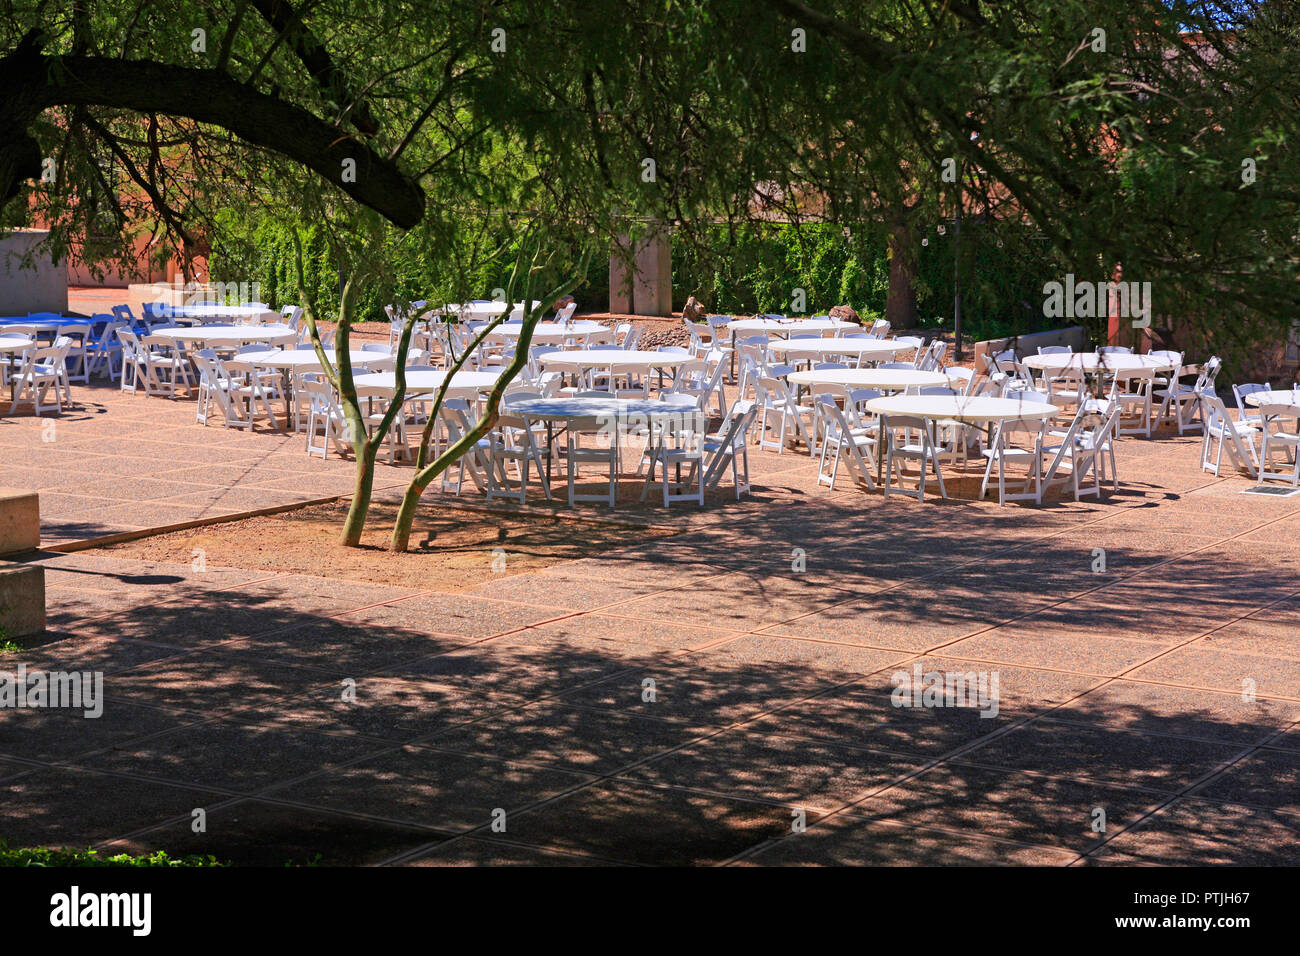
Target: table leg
point(550, 450)
point(881, 442)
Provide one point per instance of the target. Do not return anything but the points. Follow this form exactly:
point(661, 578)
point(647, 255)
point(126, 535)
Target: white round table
point(786, 326)
point(549, 333)
point(205, 312)
point(12, 344)
point(424, 382)
point(968, 409)
point(885, 379)
point(227, 336)
point(1286, 396)
point(483, 309)
point(626, 360)
point(306, 360)
point(1095, 362)
point(864, 349)
point(15, 343)
point(588, 411)
point(606, 414)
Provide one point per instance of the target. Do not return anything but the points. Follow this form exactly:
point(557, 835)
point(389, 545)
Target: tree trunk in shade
point(900, 305)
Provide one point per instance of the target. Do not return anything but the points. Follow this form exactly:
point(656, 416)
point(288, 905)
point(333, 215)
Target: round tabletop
point(589, 409)
point(305, 359)
point(786, 326)
point(614, 358)
point(961, 408)
point(864, 348)
point(213, 310)
point(890, 379)
point(486, 307)
point(44, 324)
point(228, 334)
point(1095, 362)
point(1283, 397)
point(551, 329)
point(423, 382)
point(15, 343)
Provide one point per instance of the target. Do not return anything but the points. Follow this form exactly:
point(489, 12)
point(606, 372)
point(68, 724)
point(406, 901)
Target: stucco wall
point(43, 288)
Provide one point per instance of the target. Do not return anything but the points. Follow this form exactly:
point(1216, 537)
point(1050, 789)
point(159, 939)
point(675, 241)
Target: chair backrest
point(1027, 395)
point(1114, 350)
point(1168, 355)
point(1055, 350)
point(958, 375)
point(938, 390)
point(1035, 427)
point(1239, 392)
point(1007, 361)
point(735, 429)
point(879, 329)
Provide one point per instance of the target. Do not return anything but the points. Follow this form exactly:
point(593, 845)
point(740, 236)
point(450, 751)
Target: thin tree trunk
point(900, 305)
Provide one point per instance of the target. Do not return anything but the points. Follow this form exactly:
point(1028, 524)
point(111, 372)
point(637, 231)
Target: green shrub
point(757, 267)
point(40, 856)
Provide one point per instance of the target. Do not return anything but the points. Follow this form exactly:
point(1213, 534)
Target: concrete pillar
point(647, 288)
point(620, 279)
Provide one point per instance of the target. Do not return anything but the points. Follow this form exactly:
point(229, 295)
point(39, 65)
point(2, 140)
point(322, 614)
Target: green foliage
point(41, 856)
point(261, 250)
point(756, 268)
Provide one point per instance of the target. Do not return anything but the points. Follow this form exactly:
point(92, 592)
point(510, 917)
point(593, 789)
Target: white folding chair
point(1238, 438)
point(1249, 413)
point(1085, 451)
point(41, 369)
point(841, 441)
point(1018, 440)
point(900, 447)
point(1134, 397)
point(795, 420)
point(217, 386)
point(1279, 415)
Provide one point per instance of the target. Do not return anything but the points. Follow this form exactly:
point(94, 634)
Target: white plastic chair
point(1238, 438)
point(1018, 440)
point(842, 441)
point(1249, 413)
point(1279, 415)
point(795, 420)
point(41, 369)
point(1184, 400)
point(1085, 451)
point(900, 447)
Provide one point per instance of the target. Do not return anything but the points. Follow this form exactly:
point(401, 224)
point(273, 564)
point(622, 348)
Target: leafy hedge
point(41, 856)
point(758, 267)
point(261, 250)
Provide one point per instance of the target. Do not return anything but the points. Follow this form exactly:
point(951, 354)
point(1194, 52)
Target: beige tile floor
point(685, 701)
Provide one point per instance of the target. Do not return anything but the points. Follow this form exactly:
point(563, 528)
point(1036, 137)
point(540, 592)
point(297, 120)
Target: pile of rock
point(670, 335)
point(846, 313)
